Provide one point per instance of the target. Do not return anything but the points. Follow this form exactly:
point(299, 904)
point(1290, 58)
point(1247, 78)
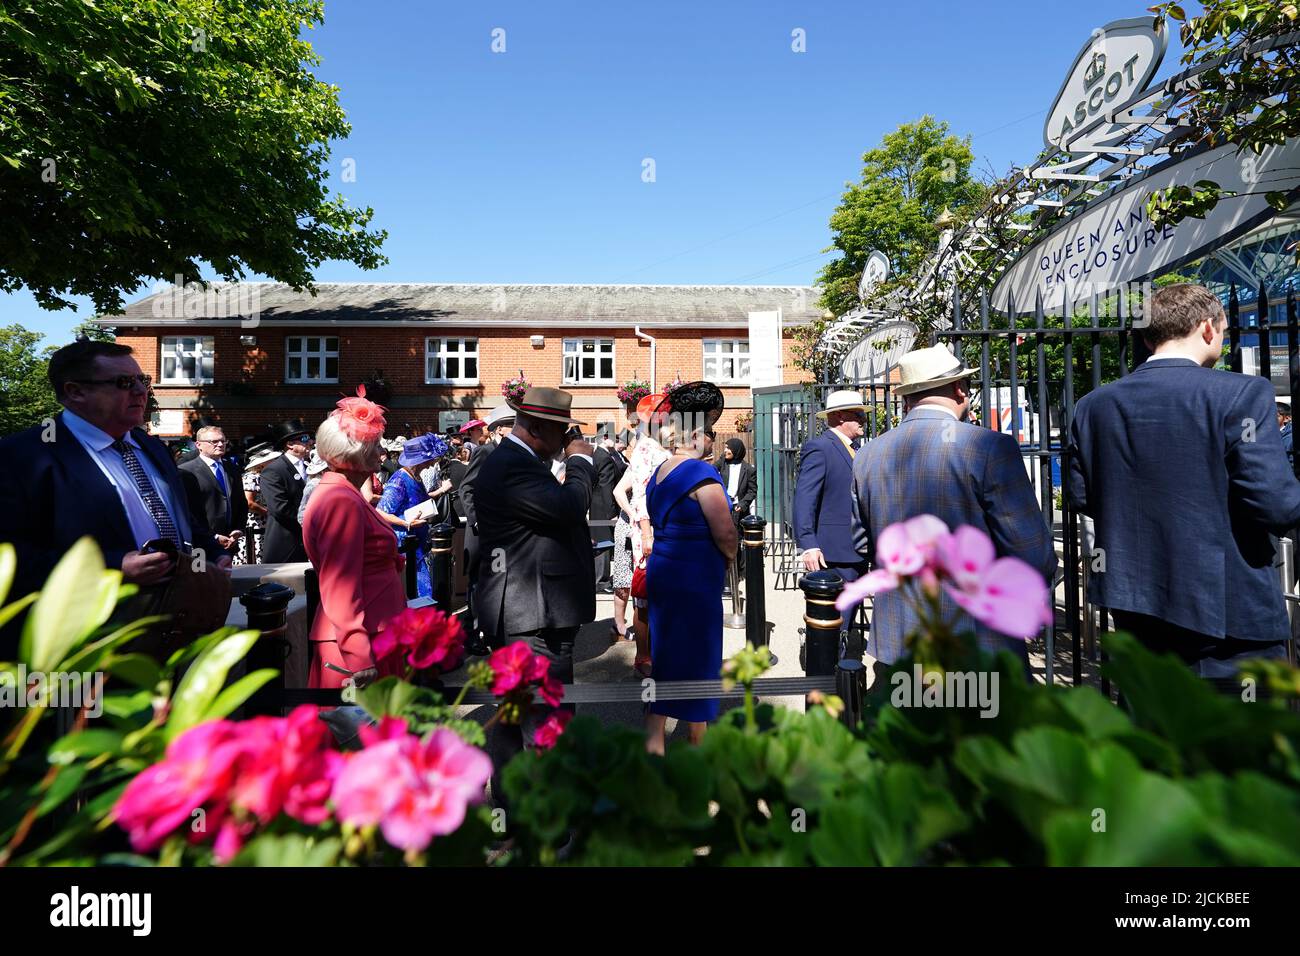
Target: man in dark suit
point(94, 470)
point(499, 424)
point(282, 483)
point(1182, 468)
point(215, 489)
point(822, 504)
point(740, 478)
point(536, 580)
point(603, 508)
point(934, 462)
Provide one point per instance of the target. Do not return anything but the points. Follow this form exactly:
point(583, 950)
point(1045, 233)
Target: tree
point(28, 397)
point(1248, 99)
point(907, 181)
point(139, 138)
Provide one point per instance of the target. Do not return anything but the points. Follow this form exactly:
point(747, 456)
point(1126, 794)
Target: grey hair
point(339, 450)
point(198, 435)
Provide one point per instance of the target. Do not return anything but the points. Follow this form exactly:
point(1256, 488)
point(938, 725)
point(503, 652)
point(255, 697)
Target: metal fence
point(1032, 369)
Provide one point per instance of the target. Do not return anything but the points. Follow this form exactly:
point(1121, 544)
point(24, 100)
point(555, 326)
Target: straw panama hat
point(924, 369)
point(501, 415)
point(843, 401)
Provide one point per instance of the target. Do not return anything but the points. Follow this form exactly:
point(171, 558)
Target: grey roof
point(465, 303)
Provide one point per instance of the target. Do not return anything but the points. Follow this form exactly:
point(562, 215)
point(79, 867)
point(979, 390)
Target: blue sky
point(526, 166)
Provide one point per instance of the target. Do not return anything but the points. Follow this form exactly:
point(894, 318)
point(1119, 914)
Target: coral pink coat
point(354, 552)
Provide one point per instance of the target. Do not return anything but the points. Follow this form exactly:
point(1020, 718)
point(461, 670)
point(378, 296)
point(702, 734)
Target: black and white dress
point(621, 568)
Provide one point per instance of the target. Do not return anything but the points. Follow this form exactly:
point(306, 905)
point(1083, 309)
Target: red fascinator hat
point(359, 418)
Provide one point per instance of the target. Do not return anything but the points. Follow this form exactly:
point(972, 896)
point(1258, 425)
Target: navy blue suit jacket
point(53, 493)
point(962, 474)
point(823, 502)
point(1183, 471)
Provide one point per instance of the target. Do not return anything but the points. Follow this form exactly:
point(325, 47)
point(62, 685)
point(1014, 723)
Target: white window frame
point(435, 346)
point(313, 346)
point(732, 354)
point(170, 346)
point(573, 350)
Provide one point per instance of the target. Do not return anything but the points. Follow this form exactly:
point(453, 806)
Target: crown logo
point(1096, 70)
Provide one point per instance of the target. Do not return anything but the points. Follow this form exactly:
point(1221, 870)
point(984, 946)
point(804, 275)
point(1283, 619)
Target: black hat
point(282, 432)
point(697, 404)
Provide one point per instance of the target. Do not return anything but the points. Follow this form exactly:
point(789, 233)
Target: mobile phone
point(159, 546)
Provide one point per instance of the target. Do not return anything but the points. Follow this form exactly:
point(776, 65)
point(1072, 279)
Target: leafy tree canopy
point(141, 137)
point(28, 397)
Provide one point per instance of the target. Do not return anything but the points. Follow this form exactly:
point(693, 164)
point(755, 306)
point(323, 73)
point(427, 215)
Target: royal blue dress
point(401, 492)
point(684, 576)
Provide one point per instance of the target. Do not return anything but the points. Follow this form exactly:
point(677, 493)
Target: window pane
point(313, 366)
point(205, 369)
point(607, 368)
point(570, 368)
point(430, 367)
point(295, 368)
point(169, 366)
point(742, 368)
point(471, 368)
point(453, 345)
point(295, 344)
point(588, 346)
point(331, 368)
point(332, 344)
point(453, 367)
point(588, 368)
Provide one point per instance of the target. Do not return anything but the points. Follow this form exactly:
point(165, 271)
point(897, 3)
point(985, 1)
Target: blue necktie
point(221, 483)
point(157, 510)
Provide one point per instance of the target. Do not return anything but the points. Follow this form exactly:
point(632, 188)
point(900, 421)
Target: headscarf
point(737, 450)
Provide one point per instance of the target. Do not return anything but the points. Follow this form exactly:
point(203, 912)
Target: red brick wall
point(399, 352)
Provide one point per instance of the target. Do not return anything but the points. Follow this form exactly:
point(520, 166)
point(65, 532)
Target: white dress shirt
point(98, 445)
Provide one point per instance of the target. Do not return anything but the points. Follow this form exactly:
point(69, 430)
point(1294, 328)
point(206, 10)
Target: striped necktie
point(148, 495)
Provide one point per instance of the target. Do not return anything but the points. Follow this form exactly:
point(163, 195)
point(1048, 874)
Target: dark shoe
point(477, 647)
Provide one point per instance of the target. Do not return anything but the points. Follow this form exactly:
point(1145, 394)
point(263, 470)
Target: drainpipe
point(654, 382)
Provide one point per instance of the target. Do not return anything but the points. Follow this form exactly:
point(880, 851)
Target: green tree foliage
point(1248, 99)
point(139, 138)
point(28, 397)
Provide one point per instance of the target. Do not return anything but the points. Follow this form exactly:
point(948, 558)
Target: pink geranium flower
point(511, 666)
point(1009, 596)
point(549, 732)
point(426, 637)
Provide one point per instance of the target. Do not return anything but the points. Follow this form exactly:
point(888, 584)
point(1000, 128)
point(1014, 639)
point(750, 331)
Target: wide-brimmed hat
point(923, 369)
point(470, 425)
point(422, 448)
point(845, 400)
point(263, 455)
point(501, 415)
point(698, 404)
point(552, 404)
point(316, 464)
point(282, 432)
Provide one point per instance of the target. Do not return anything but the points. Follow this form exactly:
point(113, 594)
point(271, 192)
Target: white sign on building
point(764, 349)
point(451, 420)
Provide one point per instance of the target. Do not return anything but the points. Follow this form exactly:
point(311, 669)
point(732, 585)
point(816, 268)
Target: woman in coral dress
point(352, 549)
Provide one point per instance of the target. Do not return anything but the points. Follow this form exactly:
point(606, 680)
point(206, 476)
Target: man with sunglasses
point(283, 481)
point(94, 470)
point(214, 488)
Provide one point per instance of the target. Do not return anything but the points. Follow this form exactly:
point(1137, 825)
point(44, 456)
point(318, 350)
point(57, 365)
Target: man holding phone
point(94, 470)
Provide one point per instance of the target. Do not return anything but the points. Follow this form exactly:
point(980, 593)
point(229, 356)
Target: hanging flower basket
point(674, 384)
point(514, 388)
point(633, 391)
point(744, 420)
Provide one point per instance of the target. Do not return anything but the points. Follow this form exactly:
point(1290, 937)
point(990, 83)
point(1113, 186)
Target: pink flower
point(908, 546)
point(359, 418)
point(869, 585)
point(552, 691)
point(1008, 596)
point(370, 783)
point(552, 727)
point(511, 666)
point(965, 555)
point(427, 636)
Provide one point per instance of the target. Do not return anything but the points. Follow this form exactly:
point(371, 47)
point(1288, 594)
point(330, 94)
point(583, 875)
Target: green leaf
point(85, 743)
point(234, 696)
point(77, 598)
point(203, 681)
point(290, 849)
point(389, 697)
point(138, 670)
point(8, 565)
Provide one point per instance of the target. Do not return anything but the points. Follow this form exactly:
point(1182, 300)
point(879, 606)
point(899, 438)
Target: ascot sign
point(1117, 62)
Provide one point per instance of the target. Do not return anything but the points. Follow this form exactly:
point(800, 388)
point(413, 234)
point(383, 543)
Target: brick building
point(252, 354)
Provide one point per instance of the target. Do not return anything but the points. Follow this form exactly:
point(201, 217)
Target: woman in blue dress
point(694, 542)
point(405, 489)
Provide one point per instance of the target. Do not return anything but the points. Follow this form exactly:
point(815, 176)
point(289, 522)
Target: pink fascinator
point(359, 418)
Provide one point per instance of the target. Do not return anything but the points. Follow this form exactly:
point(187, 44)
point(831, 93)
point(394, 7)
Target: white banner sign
point(764, 349)
point(1111, 242)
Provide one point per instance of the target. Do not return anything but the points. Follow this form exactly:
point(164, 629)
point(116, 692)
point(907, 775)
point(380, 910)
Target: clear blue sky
point(526, 166)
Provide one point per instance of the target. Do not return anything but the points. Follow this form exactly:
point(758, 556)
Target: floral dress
point(402, 492)
point(643, 461)
point(256, 523)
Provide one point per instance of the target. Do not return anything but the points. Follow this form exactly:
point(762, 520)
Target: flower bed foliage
point(1179, 775)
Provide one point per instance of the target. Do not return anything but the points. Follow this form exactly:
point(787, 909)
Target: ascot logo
point(1116, 63)
point(73, 909)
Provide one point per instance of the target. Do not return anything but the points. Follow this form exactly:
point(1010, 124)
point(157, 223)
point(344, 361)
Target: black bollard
point(821, 649)
point(410, 544)
point(442, 565)
point(267, 608)
point(851, 687)
point(751, 535)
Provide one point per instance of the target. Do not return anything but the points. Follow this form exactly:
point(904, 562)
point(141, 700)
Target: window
point(311, 358)
point(451, 361)
point(726, 360)
point(588, 361)
point(186, 360)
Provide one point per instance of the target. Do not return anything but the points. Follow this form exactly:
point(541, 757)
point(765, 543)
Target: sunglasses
point(123, 382)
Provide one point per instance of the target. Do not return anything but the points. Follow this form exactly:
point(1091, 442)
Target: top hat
point(552, 404)
point(282, 432)
point(843, 401)
point(924, 369)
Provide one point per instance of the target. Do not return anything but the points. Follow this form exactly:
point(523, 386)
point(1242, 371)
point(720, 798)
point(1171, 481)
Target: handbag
point(638, 582)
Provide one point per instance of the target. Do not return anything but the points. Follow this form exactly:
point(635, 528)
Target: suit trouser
point(852, 639)
point(506, 740)
point(1213, 658)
